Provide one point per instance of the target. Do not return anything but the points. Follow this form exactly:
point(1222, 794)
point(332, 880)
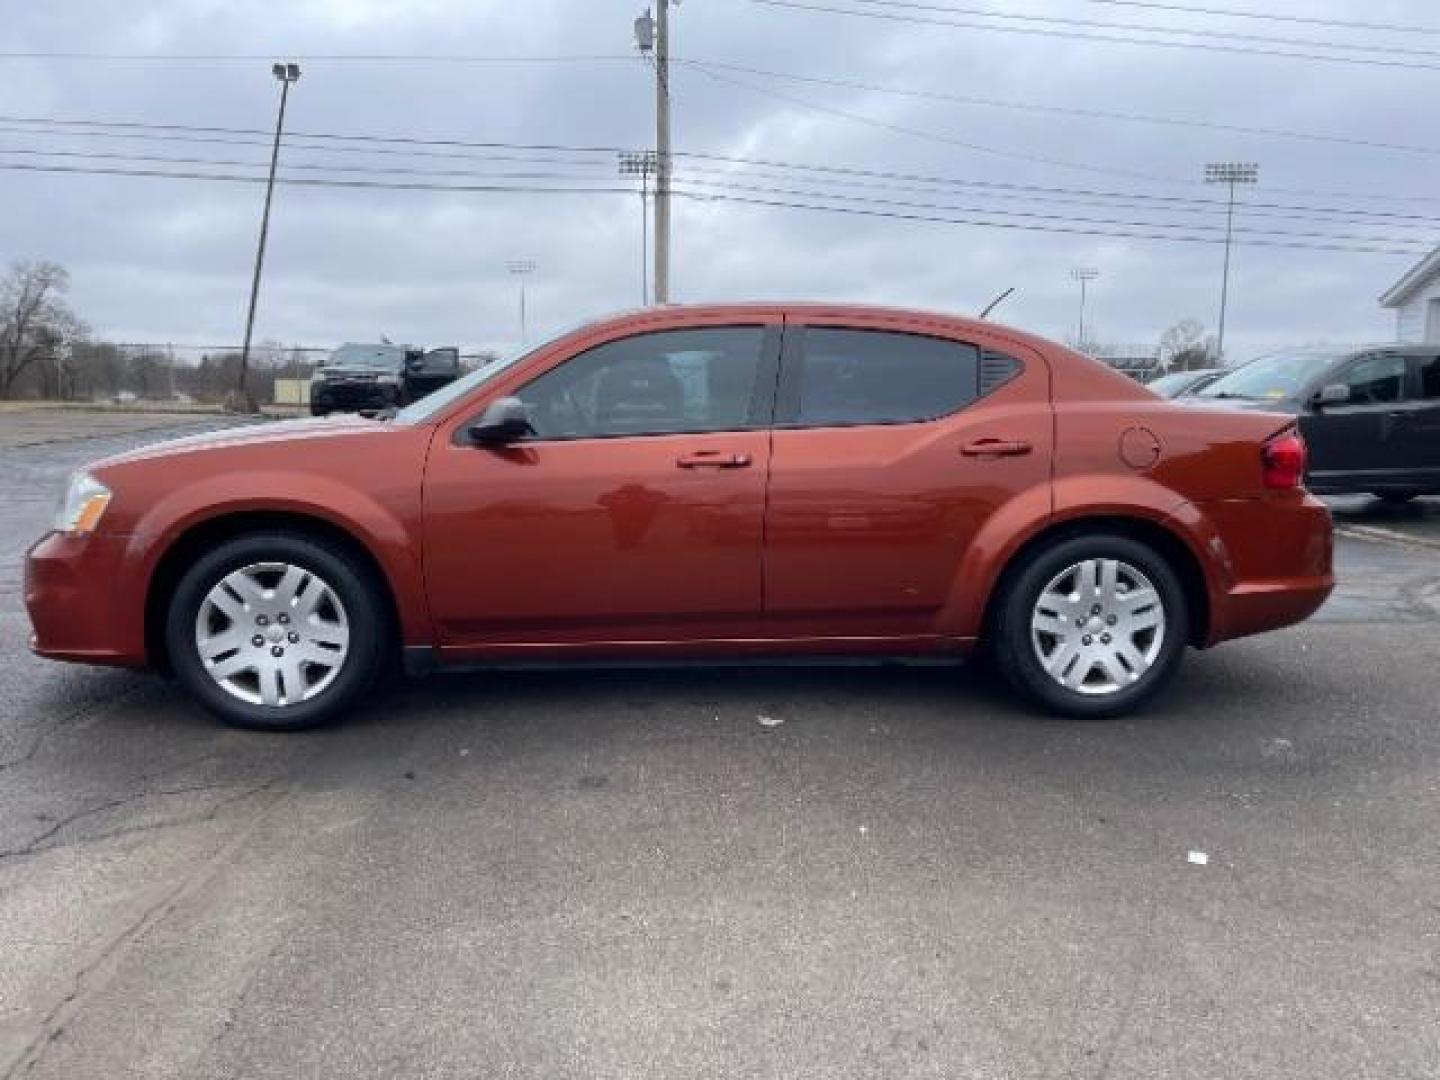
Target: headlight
point(388, 380)
point(83, 505)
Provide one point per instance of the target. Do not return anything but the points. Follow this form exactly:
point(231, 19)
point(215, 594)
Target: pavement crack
point(37, 844)
point(95, 973)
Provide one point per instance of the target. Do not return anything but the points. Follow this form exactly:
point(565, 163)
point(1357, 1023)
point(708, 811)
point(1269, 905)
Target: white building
point(1416, 300)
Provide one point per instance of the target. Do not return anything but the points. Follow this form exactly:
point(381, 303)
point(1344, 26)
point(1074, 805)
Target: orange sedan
point(699, 482)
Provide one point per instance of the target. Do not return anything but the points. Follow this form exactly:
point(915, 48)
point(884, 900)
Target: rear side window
point(841, 377)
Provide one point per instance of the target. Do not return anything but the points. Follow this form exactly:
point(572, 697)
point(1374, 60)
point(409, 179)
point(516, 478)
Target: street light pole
point(1228, 173)
point(521, 268)
point(1084, 275)
point(641, 163)
point(287, 74)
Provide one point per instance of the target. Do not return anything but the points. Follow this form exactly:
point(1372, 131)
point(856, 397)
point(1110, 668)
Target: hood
point(1272, 405)
point(252, 434)
point(354, 371)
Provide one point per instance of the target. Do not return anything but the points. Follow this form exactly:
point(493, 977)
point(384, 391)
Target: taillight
point(1282, 460)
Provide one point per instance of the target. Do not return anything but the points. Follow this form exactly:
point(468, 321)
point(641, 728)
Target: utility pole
point(654, 35)
point(1084, 275)
point(521, 268)
point(641, 163)
point(1228, 173)
point(287, 74)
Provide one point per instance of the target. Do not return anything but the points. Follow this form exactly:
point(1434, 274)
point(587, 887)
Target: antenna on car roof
point(994, 303)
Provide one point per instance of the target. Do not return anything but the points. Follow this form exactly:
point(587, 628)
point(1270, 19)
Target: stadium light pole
point(1084, 275)
point(642, 163)
point(1228, 173)
point(521, 268)
point(287, 73)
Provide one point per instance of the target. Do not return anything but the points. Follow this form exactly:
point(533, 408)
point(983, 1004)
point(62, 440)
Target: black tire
point(1397, 498)
point(1013, 651)
point(351, 581)
point(319, 410)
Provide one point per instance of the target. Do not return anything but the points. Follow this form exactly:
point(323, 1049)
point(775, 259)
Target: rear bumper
point(70, 595)
point(1276, 559)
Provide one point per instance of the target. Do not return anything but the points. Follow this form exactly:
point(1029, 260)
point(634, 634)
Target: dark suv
point(1371, 416)
point(355, 378)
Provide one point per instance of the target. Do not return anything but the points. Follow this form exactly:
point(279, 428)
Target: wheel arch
point(1170, 544)
point(202, 535)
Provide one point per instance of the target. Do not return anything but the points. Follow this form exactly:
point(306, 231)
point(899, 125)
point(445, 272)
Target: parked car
point(1180, 383)
point(699, 482)
point(1370, 416)
point(359, 377)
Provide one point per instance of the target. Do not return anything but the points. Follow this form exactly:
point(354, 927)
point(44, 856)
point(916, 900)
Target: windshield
point(383, 357)
point(1167, 384)
point(431, 404)
point(1269, 378)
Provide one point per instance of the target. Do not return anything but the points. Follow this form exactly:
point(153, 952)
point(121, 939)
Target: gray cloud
point(169, 260)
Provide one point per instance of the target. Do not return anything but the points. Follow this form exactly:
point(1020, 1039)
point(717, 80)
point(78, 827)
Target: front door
point(1416, 432)
point(633, 513)
point(1349, 441)
point(892, 449)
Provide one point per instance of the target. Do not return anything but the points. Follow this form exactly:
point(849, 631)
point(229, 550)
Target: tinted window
point(1374, 379)
point(650, 384)
point(877, 377)
point(1428, 376)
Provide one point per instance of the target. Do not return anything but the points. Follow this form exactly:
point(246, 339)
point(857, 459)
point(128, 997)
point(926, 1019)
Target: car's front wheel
point(1091, 626)
point(276, 630)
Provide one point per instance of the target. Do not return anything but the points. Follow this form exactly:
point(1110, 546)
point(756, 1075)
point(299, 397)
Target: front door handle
point(996, 448)
point(712, 459)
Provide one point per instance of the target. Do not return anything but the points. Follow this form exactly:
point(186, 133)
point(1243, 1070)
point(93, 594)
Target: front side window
point(1376, 379)
point(670, 381)
point(1427, 369)
point(877, 377)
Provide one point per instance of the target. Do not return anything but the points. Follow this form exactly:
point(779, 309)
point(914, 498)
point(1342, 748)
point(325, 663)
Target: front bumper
point(70, 594)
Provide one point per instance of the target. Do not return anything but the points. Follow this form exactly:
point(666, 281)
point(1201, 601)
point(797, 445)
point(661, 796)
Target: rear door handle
point(712, 459)
point(996, 448)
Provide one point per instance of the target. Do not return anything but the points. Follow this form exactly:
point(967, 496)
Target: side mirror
point(1333, 394)
point(504, 421)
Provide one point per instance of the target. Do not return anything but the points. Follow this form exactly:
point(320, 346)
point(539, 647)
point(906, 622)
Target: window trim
point(760, 410)
point(792, 355)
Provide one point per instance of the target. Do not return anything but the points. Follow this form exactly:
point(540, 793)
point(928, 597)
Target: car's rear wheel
point(1091, 626)
point(278, 631)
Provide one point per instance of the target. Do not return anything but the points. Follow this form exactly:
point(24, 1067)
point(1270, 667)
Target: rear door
point(891, 449)
point(1349, 441)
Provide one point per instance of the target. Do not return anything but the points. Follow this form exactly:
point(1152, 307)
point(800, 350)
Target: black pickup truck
point(362, 377)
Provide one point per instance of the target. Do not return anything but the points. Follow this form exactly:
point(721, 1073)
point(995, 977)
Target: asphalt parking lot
point(628, 874)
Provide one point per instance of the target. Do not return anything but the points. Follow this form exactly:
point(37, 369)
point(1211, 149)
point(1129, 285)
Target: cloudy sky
point(995, 129)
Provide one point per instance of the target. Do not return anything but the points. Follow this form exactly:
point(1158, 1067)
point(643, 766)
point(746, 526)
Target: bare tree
point(1186, 347)
point(34, 318)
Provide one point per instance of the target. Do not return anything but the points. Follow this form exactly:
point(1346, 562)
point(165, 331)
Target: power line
point(1061, 110)
point(900, 216)
point(1297, 241)
point(1109, 39)
point(1308, 20)
point(1030, 193)
point(464, 150)
point(931, 136)
point(1030, 215)
point(1146, 28)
